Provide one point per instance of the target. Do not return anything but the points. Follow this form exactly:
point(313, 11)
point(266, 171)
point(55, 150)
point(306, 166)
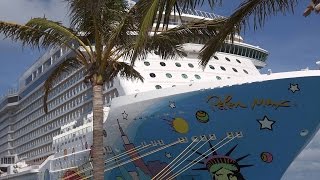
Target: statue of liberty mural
point(223, 167)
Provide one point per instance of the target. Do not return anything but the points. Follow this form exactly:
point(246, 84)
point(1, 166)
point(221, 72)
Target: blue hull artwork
point(249, 131)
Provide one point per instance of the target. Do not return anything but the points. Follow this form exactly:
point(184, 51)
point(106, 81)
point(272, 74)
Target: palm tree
point(314, 5)
point(248, 12)
point(104, 32)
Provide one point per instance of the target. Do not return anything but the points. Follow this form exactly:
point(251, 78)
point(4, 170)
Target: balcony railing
point(201, 13)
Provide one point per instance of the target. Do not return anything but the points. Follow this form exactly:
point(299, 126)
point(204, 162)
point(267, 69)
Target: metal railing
point(201, 13)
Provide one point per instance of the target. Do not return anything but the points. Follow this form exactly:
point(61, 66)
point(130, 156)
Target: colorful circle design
point(266, 157)
point(180, 125)
point(202, 116)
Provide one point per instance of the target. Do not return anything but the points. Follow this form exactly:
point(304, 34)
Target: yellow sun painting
point(180, 125)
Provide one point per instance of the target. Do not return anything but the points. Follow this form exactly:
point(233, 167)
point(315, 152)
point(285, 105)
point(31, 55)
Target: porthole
point(197, 76)
point(178, 64)
point(146, 63)
point(245, 71)
point(215, 57)
point(234, 69)
point(218, 77)
point(169, 75)
point(158, 87)
point(238, 60)
point(152, 75)
point(184, 76)
point(190, 65)
point(162, 64)
point(222, 68)
point(211, 67)
point(227, 59)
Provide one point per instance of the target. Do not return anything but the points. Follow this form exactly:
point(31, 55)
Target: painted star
point(294, 87)
point(266, 123)
point(172, 104)
point(168, 155)
point(124, 115)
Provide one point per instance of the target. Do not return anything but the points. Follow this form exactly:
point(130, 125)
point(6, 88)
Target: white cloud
point(21, 11)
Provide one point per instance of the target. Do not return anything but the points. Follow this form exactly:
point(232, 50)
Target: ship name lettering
point(269, 103)
point(227, 103)
point(224, 103)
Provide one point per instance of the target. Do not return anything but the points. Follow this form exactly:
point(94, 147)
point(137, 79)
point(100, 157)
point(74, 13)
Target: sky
point(291, 40)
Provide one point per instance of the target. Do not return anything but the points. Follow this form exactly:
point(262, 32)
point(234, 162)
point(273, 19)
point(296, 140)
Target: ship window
point(238, 60)
point(211, 67)
point(215, 57)
point(152, 75)
point(158, 87)
point(235, 70)
point(218, 77)
point(245, 71)
point(162, 64)
point(178, 64)
point(190, 65)
point(197, 76)
point(222, 68)
point(169, 75)
point(184, 76)
point(146, 63)
point(227, 59)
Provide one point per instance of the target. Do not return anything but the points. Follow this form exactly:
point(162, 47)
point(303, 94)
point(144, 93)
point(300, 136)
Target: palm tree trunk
point(97, 152)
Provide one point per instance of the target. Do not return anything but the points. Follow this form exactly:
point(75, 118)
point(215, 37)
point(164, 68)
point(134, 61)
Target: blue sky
point(292, 41)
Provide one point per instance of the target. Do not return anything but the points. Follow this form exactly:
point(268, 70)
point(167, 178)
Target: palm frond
point(168, 44)
point(67, 66)
point(106, 12)
point(39, 32)
point(314, 5)
point(57, 31)
point(255, 10)
point(122, 69)
point(122, 36)
point(159, 11)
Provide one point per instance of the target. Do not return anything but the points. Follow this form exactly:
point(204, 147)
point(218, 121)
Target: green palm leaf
point(121, 69)
point(255, 10)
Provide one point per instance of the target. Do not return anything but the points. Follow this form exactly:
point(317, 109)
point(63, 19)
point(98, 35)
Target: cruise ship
point(225, 122)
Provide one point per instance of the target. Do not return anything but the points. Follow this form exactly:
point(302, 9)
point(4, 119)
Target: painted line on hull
point(134, 150)
point(167, 168)
point(190, 149)
point(79, 172)
point(146, 154)
point(84, 170)
point(186, 167)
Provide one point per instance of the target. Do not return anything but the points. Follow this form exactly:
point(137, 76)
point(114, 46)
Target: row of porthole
point(146, 63)
point(160, 87)
point(216, 58)
point(192, 66)
point(153, 75)
point(224, 69)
